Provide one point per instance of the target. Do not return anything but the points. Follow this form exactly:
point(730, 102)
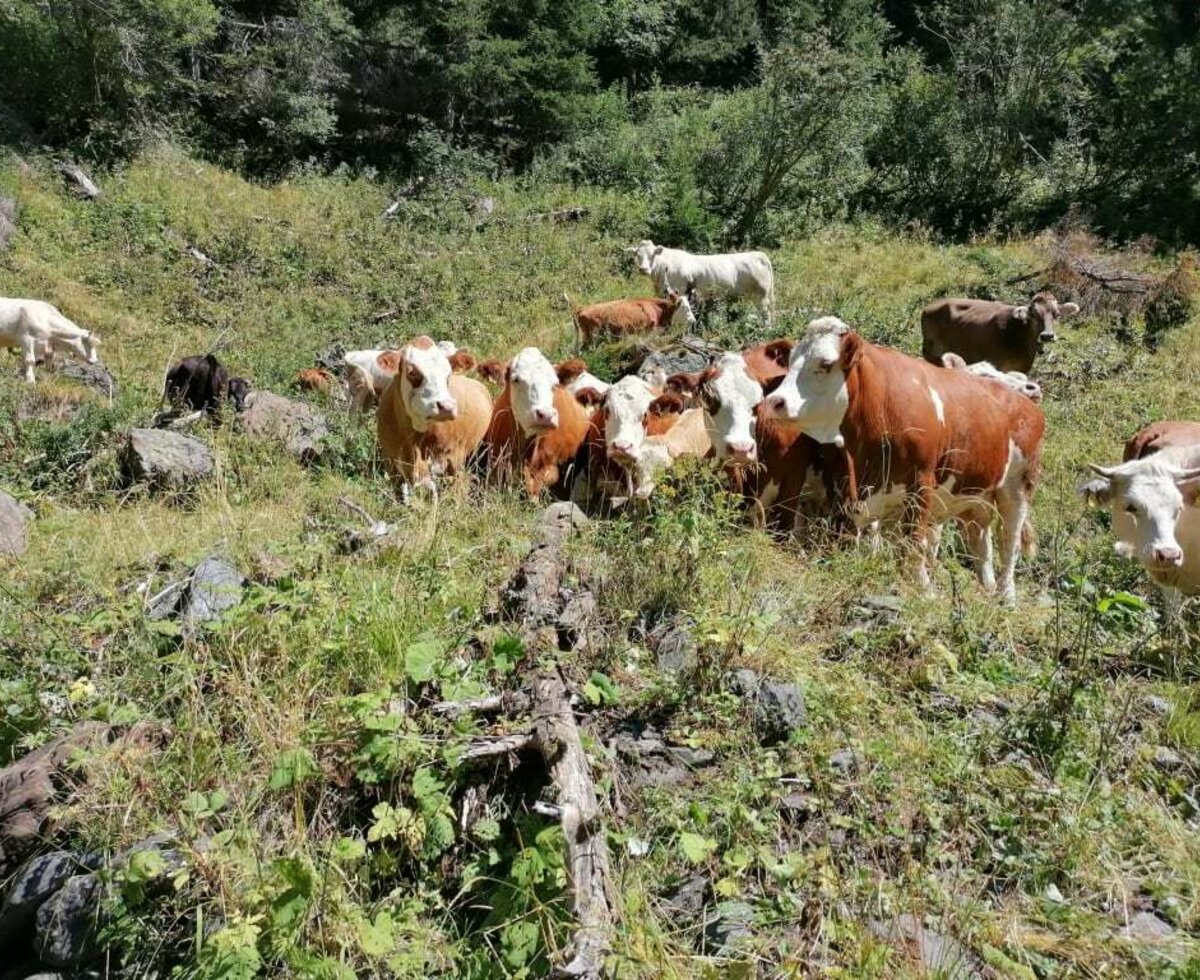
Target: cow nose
point(1168, 555)
point(1047, 336)
point(623, 449)
point(740, 449)
point(546, 416)
point(447, 407)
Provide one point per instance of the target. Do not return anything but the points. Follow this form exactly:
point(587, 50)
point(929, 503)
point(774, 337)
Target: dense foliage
point(737, 119)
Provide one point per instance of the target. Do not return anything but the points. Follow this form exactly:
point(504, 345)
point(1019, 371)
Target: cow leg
point(1013, 505)
point(29, 352)
point(977, 532)
point(924, 535)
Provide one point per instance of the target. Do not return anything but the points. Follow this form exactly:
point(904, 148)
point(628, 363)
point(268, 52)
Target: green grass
point(998, 752)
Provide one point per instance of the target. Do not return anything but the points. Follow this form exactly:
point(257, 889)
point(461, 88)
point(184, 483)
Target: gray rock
point(692, 758)
point(673, 646)
point(213, 587)
point(843, 761)
point(332, 358)
point(689, 898)
point(298, 427)
point(14, 526)
point(95, 376)
point(1147, 927)
point(37, 880)
point(692, 353)
point(777, 707)
point(1168, 759)
point(166, 460)
point(66, 923)
point(651, 762)
point(1157, 704)
point(795, 808)
point(8, 220)
point(942, 956)
point(728, 934)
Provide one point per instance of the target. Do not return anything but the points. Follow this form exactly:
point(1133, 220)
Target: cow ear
point(852, 345)
point(390, 360)
point(668, 404)
point(1108, 472)
point(780, 351)
point(492, 371)
point(672, 295)
point(684, 383)
point(631, 249)
point(1096, 492)
point(1021, 313)
point(568, 371)
point(658, 249)
point(1067, 309)
point(589, 397)
point(462, 361)
point(954, 362)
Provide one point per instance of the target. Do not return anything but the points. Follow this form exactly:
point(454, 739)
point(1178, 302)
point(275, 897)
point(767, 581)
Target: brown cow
point(625, 317)
point(1009, 337)
point(537, 426)
point(1161, 435)
point(314, 379)
point(431, 418)
point(921, 442)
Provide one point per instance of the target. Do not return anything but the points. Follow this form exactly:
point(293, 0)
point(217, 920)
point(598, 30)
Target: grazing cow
point(538, 427)
point(1161, 435)
point(314, 379)
point(777, 468)
point(627, 317)
point(920, 442)
point(1153, 498)
point(37, 329)
point(741, 274)
point(1008, 337)
point(202, 383)
point(431, 418)
point(1016, 380)
point(575, 377)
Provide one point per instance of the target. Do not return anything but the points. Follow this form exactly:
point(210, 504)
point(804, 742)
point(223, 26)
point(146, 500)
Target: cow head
point(423, 374)
point(532, 380)
point(1146, 497)
point(814, 394)
point(239, 389)
point(1015, 380)
point(1043, 313)
point(461, 359)
point(492, 371)
point(90, 343)
point(729, 396)
point(625, 406)
point(646, 252)
point(682, 314)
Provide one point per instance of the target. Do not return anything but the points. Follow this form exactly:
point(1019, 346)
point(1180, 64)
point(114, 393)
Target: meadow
point(1022, 780)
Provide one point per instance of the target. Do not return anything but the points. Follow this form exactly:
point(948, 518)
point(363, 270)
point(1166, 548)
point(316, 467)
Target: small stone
point(689, 898)
point(1168, 759)
point(215, 587)
point(166, 460)
point(301, 429)
point(744, 682)
point(14, 526)
point(1147, 927)
point(1157, 704)
point(1053, 894)
point(673, 646)
point(942, 956)
point(778, 711)
point(94, 376)
point(728, 934)
point(795, 808)
point(692, 758)
point(637, 847)
point(842, 761)
point(8, 220)
point(66, 923)
point(332, 358)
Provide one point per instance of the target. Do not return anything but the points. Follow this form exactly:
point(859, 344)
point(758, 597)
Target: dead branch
point(487, 748)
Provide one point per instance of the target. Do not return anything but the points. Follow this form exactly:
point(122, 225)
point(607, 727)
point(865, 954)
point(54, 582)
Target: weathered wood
point(80, 182)
point(487, 748)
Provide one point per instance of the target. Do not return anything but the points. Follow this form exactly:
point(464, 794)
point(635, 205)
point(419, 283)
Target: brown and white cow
point(1153, 497)
point(538, 427)
point(1008, 337)
point(626, 317)
point(1018, 381)
point(431, 418)
point(574, 375)
point(921, 443)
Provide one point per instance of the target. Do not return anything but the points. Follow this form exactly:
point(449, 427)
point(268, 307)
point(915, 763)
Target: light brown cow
point(922, 443)
point(1161, 435)
point(431, 418)
point(538, 428)
point(1008, 337)
point(626, 317)
point(314, 379)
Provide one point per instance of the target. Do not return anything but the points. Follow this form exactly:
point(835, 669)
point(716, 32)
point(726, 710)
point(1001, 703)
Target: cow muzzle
point(545, 419)
point(1166, 557)
point(741, 453)
point(1047, 337)
point(447, 410)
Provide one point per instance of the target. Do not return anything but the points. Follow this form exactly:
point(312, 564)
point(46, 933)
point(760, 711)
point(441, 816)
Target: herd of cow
point(828, 424)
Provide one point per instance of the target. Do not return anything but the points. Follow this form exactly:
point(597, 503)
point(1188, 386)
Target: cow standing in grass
point(38, 329)
point(1008, 337)
point(743, 275)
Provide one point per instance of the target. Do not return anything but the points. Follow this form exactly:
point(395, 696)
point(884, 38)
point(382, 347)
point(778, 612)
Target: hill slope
point(1000, 774)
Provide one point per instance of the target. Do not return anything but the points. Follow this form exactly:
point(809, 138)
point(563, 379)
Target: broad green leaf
point(421, 660)
point(695, 848)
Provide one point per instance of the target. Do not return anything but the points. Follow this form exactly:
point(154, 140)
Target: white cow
point(1154, 515)
point(742, 274)
point(1018, 381)
point(37, 329)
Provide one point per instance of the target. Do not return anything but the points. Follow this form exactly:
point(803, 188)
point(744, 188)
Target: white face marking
point(645, 256)
point(425, 386)
point(729, 403)
point(625, 405)
point(1147, 502)
point(533, 379)
point(938, 406)
point(813, 393)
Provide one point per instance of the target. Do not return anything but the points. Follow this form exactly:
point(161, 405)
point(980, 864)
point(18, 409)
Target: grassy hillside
point(1001, 777)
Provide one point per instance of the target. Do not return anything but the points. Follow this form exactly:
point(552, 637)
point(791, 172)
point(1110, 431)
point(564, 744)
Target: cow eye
point(1130, 509)
point(415, 377)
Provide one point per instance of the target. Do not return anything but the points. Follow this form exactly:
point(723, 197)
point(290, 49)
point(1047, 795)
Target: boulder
point(94, 376)
point(66, 923)
point(676, 359)
point(14, 526)
point(38, 879)
point(777, 707)
point(166, 461)
point(1147, 927)
point(33, 784)
point(269, 417)
point(8, 220)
